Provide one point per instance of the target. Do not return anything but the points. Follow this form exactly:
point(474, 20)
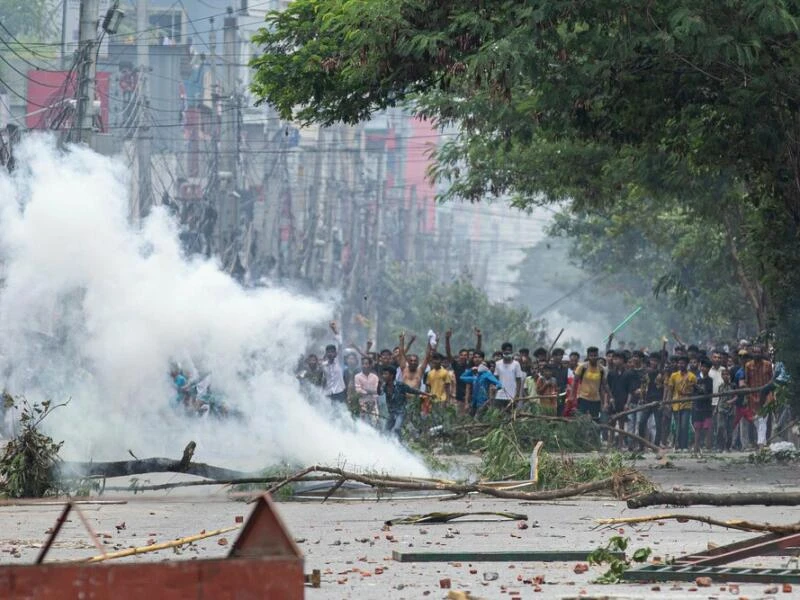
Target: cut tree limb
point(446, 517)
point(287, 480)
point(552, 419)
point(633, 436)
point(206, 482)
point(619, 485)
point(126, 468)
point(698, 498)
point(739, 524)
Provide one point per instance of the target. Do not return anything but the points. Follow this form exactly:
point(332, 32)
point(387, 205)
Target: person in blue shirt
point(180, 383)
point(395, 394)
point(481, 377)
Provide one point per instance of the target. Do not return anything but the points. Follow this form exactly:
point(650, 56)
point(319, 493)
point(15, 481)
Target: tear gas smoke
point(95, 310)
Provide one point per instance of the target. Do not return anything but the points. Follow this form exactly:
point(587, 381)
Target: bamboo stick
point(159, 546)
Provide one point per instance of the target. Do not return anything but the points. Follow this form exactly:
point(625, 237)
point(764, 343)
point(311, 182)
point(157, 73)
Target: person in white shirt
point(715, 373)
point(510, 374)
point(366, 383)
point(335, 388)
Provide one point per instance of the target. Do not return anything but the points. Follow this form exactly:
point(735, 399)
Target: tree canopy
point(684, 268)
point(416, 302)
point(687, 102)
point(28, 20)
point(591, 100)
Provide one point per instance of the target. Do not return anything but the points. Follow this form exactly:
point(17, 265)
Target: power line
point(139, 33)
point(21, 97)
point(26, 77)
point(22, 58)
point(21, 44)
point(595, 278)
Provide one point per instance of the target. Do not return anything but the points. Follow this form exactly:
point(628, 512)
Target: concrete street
point(346, 541)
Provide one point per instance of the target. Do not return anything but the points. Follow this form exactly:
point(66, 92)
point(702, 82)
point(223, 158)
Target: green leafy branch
point(617, 563)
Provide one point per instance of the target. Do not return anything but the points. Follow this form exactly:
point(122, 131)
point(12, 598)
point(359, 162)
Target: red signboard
point(50, 94)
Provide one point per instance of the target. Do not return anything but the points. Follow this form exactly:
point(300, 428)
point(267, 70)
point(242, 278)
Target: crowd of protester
point(722, 398)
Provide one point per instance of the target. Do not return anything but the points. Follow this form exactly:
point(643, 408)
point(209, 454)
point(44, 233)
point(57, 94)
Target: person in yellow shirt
point(590, 385)
point(438, 382)
point(680, 385)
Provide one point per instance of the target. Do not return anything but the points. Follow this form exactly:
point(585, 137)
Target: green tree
point(28, 20)
point(416, 302)
point(679, 101)
point(683, 266)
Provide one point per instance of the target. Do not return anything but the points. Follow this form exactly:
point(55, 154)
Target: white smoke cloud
point(94, 310)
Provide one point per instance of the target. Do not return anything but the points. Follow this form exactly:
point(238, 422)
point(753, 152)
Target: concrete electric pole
point(144, 184)
point(231, 114)
point(87, 67)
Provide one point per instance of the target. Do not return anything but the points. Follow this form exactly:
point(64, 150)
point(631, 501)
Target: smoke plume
point(94, 310)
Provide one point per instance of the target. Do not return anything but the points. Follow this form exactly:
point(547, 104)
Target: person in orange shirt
point(757, 374)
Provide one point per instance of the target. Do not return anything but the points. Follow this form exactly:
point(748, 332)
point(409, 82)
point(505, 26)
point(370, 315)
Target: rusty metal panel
point(264, 564)
point(765, 545)
point(225, 579)
point(264, 534)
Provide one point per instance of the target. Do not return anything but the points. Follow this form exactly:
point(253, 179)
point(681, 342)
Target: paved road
point(346, 541)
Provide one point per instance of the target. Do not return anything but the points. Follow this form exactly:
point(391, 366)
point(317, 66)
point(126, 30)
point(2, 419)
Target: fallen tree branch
point(777, 434)
point(739, 524)
point(696, 498)
point(207, 482)
point(530, 416)
point(633, 436)
point(332, 491)
point(126, 468)
point(521, 416)
point(444, 517)
point(287, 480)
point(617, 484)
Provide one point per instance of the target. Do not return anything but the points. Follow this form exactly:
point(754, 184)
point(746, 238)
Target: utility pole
point(212, 196)
point(314, 209)
point(89, 13)
point(145, 191)
point(229, 212)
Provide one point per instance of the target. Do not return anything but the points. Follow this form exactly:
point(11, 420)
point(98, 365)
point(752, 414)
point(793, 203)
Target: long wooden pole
point(160, 546)
point(764, 498)
point(555, 341)
point(657, 403)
